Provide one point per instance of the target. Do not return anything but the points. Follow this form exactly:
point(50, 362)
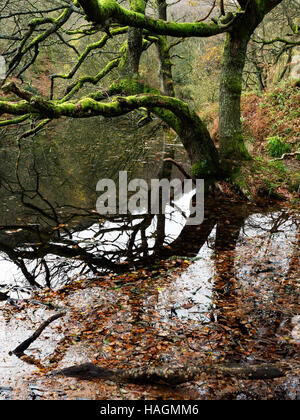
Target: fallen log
point(174, 376)
point(19, 350)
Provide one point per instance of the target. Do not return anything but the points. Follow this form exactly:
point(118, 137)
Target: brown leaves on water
point(116, 322)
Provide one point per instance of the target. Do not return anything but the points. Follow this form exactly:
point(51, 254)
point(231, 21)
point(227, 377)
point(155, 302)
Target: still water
point(242, 259)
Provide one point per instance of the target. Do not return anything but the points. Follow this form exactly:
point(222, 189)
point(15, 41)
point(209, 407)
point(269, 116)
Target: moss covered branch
point(77, 85)
point(87, 107)
point(177, 114)
point(91, 47)
point(14, 121)
point(274, 40)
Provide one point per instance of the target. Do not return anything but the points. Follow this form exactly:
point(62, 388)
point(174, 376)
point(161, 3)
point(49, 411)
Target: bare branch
point(23, 48)
point(18, 351)
point(286, 155)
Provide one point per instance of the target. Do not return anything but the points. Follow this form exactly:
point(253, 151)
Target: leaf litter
point(237, 305)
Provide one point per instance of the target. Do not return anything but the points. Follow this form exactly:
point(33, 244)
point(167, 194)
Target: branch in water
point(177, 375)
point(18, 351)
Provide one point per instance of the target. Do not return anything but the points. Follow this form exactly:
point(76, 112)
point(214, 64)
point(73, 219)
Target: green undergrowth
point(272, 118)
point(261, 178)
point(271, 127)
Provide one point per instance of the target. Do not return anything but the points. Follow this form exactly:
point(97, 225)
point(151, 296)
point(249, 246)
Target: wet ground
point(233, 296)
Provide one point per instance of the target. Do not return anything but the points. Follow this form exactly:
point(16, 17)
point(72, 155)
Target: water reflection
point(50, 232)
point(246, 259)
point(53, 251)
point(244, 250)
point(82, 245)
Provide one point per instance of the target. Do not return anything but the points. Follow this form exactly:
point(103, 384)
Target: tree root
point(179, 166)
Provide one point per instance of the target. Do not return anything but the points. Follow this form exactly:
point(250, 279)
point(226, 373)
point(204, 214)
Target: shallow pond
point(140, 289)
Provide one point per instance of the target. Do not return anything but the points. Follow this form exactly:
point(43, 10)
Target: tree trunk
point(232, 145)
point(132, 52)
point(165, 63)
point(230, 127)
point(187, 124)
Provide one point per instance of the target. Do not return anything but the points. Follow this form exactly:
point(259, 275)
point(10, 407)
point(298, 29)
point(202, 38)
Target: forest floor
point(271, 124)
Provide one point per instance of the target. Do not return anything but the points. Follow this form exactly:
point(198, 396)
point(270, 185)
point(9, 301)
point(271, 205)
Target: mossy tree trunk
point(163, 51)
point(194, 135)
point(232, 145)
point(132, 50)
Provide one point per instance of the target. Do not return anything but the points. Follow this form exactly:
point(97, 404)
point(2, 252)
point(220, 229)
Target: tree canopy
point(30, 29)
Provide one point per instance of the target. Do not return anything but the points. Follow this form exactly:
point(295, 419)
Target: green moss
point(98, 12)
point(261, 178)
point(235, 148)
point(108, 11)
point(239, 179)
point(15, 108)
point(124, 56)
point(202, 169)
point(138, 5)
point(233, 83)
point(130, 86)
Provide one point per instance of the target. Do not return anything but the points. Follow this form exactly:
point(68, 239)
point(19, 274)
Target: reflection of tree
point(259, 319)
point(86, 241)
point(227, 233)
point(295, 257)
point(56, 231)
point(226, 299)
point(61, 239)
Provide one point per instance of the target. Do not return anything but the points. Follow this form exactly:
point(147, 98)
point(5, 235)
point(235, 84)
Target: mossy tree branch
point(105, 12)
point(91, 47)
point(176, 113)
point(274, 40)
point(87, 107)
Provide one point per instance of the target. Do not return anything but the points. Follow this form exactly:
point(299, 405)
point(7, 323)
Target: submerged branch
point(177, 375)
point(18, 351)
